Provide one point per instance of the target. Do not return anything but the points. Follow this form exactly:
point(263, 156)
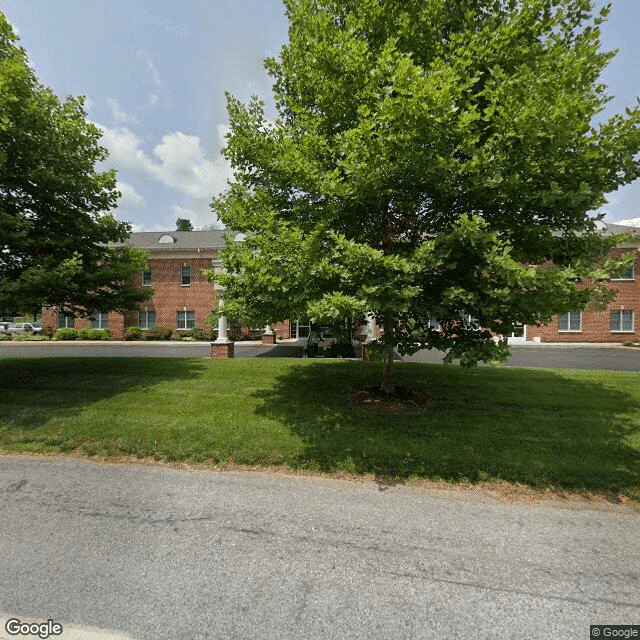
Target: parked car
point(4, 325)
point(24, 327)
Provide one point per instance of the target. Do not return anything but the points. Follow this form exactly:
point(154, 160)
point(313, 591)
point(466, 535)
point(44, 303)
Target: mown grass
point(567, 430)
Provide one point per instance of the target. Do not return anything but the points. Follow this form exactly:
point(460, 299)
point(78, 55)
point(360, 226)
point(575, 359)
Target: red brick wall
point(170, 296)
point(596, 325)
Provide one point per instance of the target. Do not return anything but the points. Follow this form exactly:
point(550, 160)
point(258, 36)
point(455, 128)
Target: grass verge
point(565, 430)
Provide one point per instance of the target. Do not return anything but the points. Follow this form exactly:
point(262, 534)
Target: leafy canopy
point(184, 224)
point(55, 229)
point(432, 160)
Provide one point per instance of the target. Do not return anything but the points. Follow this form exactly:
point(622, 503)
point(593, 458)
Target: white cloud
point(631, 222)
point(152, 101)
point(182, 212)
point(120, 116)
point(130, 197)
point(142, 227)
point(150, 67)
point(178, 162)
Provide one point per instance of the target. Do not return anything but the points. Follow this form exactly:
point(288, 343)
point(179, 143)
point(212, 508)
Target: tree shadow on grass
point(563, 429)
point(36, 393)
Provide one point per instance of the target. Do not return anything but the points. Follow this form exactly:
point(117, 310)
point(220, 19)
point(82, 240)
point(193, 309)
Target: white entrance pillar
point(221, 347)
point(371, 327)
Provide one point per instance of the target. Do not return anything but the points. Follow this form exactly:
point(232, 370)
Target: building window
point(146, 278)
point(185, 276)
point(433, 324)
point(185, 319)
point(66, 322)
point(146, 319)
point(99, 321)
point(570, 321)
point(624, 274)
point(621, 321)
point(300, 329)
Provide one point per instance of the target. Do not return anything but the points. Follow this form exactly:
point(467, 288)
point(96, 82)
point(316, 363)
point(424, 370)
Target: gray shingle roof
point(610, 229)
point(183, 239)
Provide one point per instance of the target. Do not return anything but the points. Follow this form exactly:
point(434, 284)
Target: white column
point(371, 328)
point(222, 327)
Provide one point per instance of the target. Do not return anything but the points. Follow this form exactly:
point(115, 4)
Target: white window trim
point(146, 318)
point(185, 328)
point(633, 275)
point(181, 276)
point(620, 311)
point(569, 322)
point(98, 316)
point(142, 278)
point(67, 320)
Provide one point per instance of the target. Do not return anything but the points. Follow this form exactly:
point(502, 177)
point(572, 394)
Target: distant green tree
point(433, 160)
point(183, 224)
point(56, 232)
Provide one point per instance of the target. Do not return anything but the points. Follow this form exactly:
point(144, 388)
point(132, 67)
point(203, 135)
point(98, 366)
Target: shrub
point(89, 333)
point(65, 334)
point(47, 331)
point(339, 350)
point(133, 333)
point(158, 333)
point(196, 333)
point(29, 337)
point(4, 336)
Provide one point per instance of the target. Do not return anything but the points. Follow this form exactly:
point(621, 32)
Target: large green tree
point(432, 160)
point(56, 232)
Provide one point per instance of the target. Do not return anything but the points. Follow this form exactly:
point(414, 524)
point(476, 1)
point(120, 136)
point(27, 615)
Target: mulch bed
point(402, 400)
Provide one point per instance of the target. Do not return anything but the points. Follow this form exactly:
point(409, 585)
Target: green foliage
point(184, 224)
point(59, 243)
point(158, 333)
point(339, 349)
point(65, 334)
point(431, 161)
point(89, 333)
point(196, 333)
point(30, 337)
point(132, 333)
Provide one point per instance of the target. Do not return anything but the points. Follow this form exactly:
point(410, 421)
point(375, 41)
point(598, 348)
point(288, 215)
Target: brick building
point(184, 298)
point(617, 323)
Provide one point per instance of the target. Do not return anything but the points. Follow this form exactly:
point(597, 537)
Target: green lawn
point(563, 429)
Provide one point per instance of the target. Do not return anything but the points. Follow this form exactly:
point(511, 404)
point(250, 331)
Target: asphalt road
point(538, 355)
point(156, 553)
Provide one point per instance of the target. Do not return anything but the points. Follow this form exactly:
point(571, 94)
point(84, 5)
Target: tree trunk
point(388, 385)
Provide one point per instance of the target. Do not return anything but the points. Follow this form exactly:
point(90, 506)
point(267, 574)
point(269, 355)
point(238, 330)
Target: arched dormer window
point(166, 239)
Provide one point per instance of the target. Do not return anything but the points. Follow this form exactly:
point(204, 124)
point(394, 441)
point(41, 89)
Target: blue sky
point(155, 72)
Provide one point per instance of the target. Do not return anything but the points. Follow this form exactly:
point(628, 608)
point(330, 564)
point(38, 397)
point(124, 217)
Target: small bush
point(47, 331)
point(66, 334)
point(158, 333)
point(29, 337)
point(196, 333)
point(339, 350)
point(89, 333)
point(4, 336)
point(133, 333)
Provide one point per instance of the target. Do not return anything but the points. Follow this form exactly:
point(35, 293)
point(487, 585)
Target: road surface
point(154, 553)
point(536, 355)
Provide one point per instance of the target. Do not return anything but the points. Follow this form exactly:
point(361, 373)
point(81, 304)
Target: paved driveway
point(164, 554)
point(535, 355)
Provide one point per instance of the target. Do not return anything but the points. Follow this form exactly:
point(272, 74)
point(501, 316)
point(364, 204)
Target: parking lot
point(553, 356)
